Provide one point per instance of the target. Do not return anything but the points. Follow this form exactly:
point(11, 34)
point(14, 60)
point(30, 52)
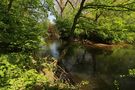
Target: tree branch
point(59, 4)
point(10, 5)
point(63, 7)
point(71, 4)
point(97, 16)
point(114, 8)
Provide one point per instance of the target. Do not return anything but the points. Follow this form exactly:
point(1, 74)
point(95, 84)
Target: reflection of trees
point(86, 58)
point(94, 63)
point(81, 59)
point(118, 62)
point(106, 64)
point(62, 72)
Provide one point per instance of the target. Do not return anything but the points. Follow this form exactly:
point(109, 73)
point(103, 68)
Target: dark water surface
point(112, 69)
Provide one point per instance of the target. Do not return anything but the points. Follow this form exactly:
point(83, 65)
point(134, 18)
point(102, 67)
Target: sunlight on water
point(54, 49)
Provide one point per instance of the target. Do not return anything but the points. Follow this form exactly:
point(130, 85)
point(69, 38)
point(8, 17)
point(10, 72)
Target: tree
point(97, 17)
point(77, 16)
point(106, 5)
point(61, 4)
point(22, 23)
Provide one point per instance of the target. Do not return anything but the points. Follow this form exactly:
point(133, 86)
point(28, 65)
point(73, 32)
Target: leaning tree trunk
point(10, 5)
point(76, 18)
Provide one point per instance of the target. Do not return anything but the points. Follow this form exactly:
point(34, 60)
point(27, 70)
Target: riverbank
point(94, 44)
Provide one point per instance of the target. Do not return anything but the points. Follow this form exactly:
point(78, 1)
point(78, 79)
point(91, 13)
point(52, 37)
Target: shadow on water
point(100, 67)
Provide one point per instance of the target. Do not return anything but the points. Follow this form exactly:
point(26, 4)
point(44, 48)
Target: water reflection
point(50, 49)
point(54, 49)
point(100, 67)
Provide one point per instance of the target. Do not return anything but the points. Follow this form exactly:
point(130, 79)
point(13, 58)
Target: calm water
point(104, 69)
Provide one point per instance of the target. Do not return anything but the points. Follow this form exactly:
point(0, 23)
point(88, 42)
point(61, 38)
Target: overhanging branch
point(107, 7)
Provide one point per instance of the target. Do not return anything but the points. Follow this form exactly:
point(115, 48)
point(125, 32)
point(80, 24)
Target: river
point(104, 69)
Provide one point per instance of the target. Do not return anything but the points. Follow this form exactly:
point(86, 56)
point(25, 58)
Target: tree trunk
point(10, 5)
point(76, 18)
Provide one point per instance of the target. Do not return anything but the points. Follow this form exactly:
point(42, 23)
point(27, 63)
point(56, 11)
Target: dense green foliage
point(16, 73)
point(21, 23)
point(108, 21)
point(20, 71)
point(109, 26)
point(64, 22)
